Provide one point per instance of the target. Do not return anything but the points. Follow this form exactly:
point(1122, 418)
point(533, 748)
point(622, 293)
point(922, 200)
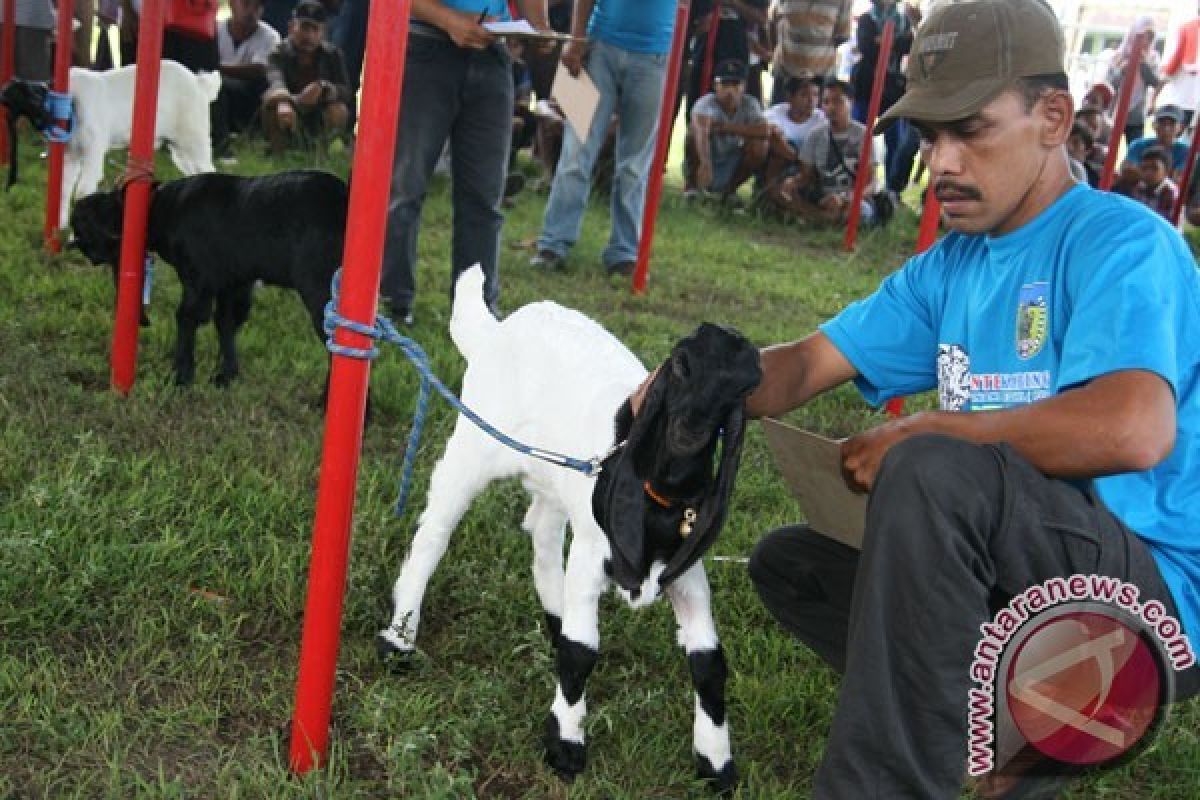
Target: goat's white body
point(104, 117)
point(552, 378)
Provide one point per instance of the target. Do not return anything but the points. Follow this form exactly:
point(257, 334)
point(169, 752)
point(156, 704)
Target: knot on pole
point(137, 169)
point(384, 329)
point(61, 109)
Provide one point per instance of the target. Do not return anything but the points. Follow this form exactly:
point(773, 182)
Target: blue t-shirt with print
point(1094, 284)
point(639, 26)
point(494, 8)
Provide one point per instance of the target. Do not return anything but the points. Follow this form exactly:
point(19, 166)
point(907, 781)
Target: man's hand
point(465, 30)
point(862, 454)
point(310, 95)
point(572, 56)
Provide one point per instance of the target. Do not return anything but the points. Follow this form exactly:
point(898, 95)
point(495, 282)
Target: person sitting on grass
point(244, 43)
point(1079, 147)
point(1156, 189)
point(308, 91)
point(822, 190)
point(728, 137)
point(790, 122)
point(1059, 326)
point(1168, 121)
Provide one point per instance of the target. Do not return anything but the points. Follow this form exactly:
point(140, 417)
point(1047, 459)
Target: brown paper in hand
point(812, 468)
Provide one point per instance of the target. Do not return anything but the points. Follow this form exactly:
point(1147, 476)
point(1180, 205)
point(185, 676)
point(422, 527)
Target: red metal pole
point(387, 42)
point(8, 41)
point(666, 121)
point(864, 156)
point(1118, 128)
point(137, 196)
point(62, 78)
point(931, 214)
point(1186, 179)
point(926, 236)
point(710, 48)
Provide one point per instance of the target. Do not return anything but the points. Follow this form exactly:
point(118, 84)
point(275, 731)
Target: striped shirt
point(809, 31)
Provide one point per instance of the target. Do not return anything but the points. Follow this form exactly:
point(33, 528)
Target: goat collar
point(689, 513)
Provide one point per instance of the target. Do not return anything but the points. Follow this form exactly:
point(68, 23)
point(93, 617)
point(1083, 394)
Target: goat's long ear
point(710, 515)
point(618, 500)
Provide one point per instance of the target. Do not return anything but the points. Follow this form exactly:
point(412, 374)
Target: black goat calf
point(222, 233)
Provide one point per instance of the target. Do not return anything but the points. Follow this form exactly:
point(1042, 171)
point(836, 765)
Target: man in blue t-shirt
point(458, 88)
point(1168, 124)
point(622, 45)
point(1067, 322)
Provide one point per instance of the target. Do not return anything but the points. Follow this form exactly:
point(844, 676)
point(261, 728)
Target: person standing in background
point(1182, 69)
point(623, 45)
point(35, 24)
point(809, 32)
point(458, 87)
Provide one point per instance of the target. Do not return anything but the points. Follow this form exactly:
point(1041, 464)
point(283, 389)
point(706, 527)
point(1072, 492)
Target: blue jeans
point(465, 96)
point(630, 84)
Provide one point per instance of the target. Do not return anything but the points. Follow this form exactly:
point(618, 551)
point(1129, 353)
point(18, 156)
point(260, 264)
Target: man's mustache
point(946, 189)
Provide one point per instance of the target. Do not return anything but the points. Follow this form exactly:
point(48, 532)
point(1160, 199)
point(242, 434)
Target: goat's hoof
point(222, 380)
point(184, 380)
point(723, 781)
point(396, 658)
point(564, 757)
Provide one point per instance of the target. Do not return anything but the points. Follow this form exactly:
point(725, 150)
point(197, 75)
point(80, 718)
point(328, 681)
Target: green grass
point(154, 548)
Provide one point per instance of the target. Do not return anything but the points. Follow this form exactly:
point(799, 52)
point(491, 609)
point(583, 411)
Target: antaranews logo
point(1076, 667)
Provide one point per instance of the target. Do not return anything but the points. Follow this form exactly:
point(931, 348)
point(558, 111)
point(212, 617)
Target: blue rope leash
point(59, 106)
point(383, 329)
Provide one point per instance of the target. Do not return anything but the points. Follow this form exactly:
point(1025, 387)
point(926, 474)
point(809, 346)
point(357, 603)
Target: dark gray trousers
point(464, 97)
point(954, 531)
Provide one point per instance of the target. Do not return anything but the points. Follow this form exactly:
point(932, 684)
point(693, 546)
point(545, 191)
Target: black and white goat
point(556, 379)
point(222, 233)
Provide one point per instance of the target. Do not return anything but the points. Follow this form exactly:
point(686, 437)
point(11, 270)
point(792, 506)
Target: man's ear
point(1057, 111)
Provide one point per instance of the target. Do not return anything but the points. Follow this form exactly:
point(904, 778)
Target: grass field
point(153, 549)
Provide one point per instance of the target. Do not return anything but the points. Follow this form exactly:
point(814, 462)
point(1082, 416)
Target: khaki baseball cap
point(966, 53)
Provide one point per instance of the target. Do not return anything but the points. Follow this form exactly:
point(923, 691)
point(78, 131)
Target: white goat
point(104, 115)
point(553, 378)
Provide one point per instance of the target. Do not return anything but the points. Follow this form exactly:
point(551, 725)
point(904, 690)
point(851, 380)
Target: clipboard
point(521, 29)
point(812, 468)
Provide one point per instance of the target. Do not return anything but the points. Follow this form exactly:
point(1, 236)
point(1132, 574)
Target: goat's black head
point(96, 222)
point(22, 99)
point(696, 401)
point(26, 99)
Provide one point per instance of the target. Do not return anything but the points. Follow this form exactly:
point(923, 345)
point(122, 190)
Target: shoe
point(622, 268)
point(547, 260)
point(691, 194)
point(514, 184)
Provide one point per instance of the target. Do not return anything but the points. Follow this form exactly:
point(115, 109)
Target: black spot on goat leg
point(708, 677)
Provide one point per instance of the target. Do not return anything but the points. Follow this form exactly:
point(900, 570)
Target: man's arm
point(1123, 421)
point(749, 130)
point(796, 372)
point(535, 12)
point(573, 53)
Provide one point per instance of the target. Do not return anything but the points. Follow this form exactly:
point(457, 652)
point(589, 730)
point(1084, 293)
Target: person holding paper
point(458, 87)
point(623, 45)
point(1060, 327)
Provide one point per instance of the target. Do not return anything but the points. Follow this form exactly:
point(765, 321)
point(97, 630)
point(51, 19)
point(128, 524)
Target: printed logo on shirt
point(954, 377)
point(1033, 321)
